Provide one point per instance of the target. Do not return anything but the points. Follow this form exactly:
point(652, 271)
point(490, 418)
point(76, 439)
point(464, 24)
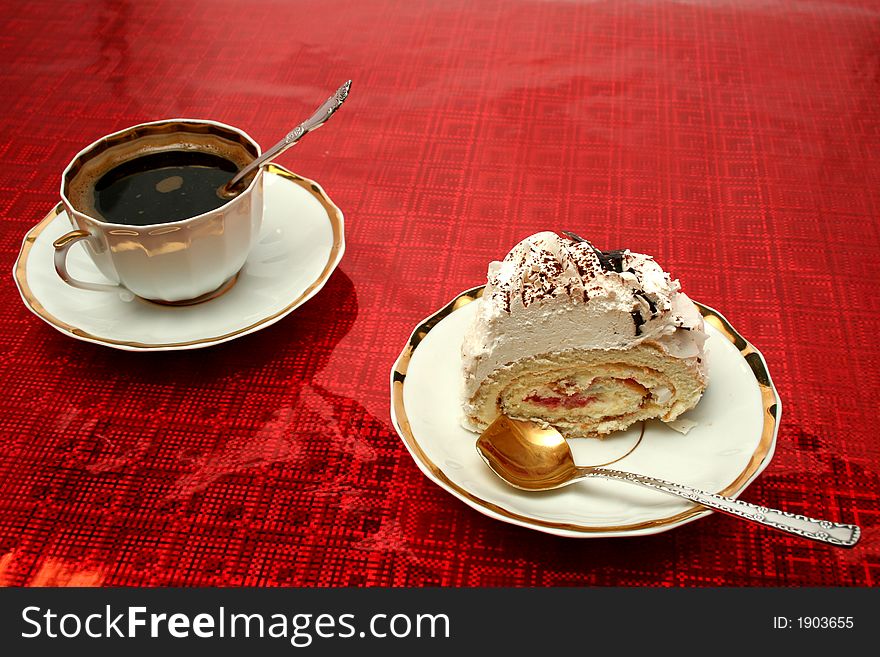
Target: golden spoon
point(531, 458)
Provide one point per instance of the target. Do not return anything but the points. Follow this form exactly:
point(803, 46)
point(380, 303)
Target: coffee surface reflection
point(162, 187)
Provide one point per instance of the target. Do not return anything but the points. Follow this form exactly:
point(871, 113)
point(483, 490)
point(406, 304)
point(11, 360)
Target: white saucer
point(300, 244)
point(732, 442)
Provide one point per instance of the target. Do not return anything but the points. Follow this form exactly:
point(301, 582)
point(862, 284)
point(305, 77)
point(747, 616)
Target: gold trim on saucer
point(334, 214)
point(769, 401)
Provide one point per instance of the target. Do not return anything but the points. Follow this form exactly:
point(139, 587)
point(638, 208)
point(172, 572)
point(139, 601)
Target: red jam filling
point(577, 400)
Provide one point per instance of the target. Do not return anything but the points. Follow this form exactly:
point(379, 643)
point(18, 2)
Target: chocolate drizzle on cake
point(608, 260)
point(549, 266)
point(611, 260)
point(638, 320)
point(651, 305)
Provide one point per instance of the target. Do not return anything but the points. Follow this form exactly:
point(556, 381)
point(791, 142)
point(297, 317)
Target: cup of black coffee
point(144, 202)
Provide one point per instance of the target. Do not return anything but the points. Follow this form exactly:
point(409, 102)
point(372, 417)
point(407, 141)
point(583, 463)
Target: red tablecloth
point(737, 142)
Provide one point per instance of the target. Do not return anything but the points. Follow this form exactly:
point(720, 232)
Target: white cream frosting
point(550, 294)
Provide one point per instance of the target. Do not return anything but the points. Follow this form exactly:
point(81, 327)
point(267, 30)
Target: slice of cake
point(584, 340)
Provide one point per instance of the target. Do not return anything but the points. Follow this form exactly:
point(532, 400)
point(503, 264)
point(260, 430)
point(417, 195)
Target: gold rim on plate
point(334, 215)
point(770, 404)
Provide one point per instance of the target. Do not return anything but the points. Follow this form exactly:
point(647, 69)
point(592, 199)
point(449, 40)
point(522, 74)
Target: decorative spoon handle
point(316, 120)
point(818, 530)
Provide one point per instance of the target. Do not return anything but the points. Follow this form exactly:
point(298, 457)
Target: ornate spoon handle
point(819, 530)
point(316, 120)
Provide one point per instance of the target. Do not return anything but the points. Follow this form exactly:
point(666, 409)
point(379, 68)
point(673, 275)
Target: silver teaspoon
point(316, 120)
point(531, 458)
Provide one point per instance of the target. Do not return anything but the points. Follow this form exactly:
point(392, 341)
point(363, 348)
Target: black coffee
point(162, 187)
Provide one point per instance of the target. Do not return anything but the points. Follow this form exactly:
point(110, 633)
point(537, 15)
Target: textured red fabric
point(737, 142)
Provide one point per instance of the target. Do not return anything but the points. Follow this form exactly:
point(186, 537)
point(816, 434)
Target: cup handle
point(62, 246)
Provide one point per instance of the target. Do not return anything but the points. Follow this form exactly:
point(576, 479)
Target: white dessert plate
point(300, 244)
point(732, 442)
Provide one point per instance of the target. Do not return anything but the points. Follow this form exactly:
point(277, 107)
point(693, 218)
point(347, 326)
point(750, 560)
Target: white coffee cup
point(178, 262)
